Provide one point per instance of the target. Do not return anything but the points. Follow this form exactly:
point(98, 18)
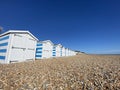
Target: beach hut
point(44, 49)
point(58, 50)
point(17, 46)
point(71, 53)
point(75, 53)
point(54, 51)
point(63, 51)
point(68, 52)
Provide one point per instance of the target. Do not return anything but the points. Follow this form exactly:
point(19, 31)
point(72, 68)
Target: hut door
point(18, 49)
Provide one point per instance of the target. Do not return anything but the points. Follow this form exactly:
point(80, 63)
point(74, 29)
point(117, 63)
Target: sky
point(91, 26)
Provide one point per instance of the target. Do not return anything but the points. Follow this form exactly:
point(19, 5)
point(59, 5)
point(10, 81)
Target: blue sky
point(92, 26)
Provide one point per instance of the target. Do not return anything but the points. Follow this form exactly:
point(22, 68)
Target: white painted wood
point(47, 48)
point(21, 46)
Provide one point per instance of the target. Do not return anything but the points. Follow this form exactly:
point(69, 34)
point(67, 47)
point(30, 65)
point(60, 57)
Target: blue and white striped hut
point(44, 49)
point(17, 46)
point(58, 50)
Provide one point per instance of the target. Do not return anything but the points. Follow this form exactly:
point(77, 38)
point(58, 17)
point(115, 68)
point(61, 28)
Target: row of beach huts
point(19, 46)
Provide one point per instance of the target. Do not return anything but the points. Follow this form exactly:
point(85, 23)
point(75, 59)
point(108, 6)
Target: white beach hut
point(54, 51)
point(17, 46)
point(44, 49)
point(63, 51)
point(71, 53)
point(74, 53)
point(66, 51)
point(58, 50)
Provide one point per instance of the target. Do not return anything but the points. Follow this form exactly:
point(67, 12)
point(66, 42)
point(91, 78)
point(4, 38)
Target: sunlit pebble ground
point(81, 72)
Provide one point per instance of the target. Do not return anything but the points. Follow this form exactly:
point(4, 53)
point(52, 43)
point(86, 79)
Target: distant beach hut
point(73, 53)
point(44, 49)
point(67, 51)
point(58, 50)
point(63, 51)
point(54, 51)
point(17, 46)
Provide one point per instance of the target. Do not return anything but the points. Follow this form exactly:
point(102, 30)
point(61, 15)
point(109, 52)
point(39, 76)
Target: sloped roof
point(45, 41)
point(58, 45)
point(19, 31)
